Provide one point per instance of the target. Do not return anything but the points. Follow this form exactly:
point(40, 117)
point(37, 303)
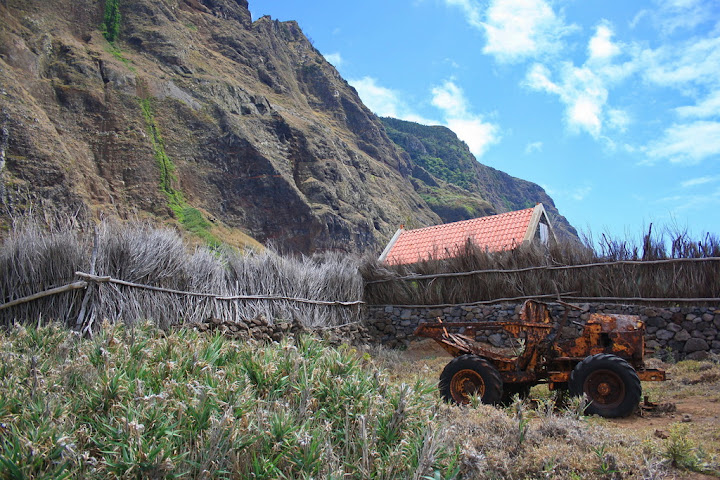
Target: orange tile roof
point(497, 232)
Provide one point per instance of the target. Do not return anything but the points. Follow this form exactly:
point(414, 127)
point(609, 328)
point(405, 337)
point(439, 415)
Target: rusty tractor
point(605, 362)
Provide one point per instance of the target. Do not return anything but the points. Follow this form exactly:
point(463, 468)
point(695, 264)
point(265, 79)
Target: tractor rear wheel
point(469, 375)
point(611, 384)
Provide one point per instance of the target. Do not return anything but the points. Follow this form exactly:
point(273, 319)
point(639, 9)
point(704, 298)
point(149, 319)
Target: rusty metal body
point(547, 358)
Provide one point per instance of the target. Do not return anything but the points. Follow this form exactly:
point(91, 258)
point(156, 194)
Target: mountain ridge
point(470, 189)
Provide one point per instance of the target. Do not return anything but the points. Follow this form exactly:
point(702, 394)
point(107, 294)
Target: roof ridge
point(470, 220)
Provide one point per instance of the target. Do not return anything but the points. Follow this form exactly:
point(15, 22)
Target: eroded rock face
point(243, 120)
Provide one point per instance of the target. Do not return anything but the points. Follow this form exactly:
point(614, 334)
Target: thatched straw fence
point(664, 269)
point(131, 272)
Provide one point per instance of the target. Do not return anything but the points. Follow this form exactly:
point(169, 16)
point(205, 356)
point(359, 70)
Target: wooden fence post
point(91, 286)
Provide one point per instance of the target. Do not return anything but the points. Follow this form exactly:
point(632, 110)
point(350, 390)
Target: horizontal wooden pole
point(46, 293)
point(107, 279)
point(482, 302)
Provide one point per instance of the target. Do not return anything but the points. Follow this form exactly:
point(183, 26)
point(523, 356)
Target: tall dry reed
point(390, 285)
point(33, 259)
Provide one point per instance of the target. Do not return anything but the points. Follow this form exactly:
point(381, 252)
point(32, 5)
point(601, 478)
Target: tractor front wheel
point(469, 375)
point(611, 384)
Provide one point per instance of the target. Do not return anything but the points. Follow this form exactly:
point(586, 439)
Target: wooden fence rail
point(411, 278)
point(106, 279)
point(45, 293)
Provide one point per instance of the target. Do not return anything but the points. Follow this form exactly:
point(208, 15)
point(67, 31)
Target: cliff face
point(458, 187)
point(195, 115)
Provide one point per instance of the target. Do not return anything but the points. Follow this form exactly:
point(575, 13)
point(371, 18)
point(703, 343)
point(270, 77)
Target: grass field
point(143, 403)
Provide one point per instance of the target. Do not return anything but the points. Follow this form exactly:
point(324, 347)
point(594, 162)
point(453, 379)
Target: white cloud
point(584, 90)
point(472, 10)
point(672, 15)
point(385, 102)
point(521, 29)
point(516, 29)
point(584, 113)
point(679, 204)
point(538, 78)
point(533, 147)
point(382, 101)
point(579, 194)
point(690, 63)
point(618, 119)
point(581, 90)
point(688, 144)
point(709, 107)
point(471, 128)
point(334, 58)
point(691, 67)
point(601, 46)
point(477, 133)
point(450, 98)
point(693, 182)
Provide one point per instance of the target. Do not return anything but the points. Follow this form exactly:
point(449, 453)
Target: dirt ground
point(677, 403)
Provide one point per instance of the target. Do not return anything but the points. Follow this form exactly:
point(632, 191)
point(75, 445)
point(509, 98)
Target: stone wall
point(684, 332)
point(259, 329)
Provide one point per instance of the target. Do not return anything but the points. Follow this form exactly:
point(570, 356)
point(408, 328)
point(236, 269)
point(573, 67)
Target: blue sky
point(612, 106)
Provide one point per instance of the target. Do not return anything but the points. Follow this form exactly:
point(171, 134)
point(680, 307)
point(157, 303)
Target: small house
point(493, 233)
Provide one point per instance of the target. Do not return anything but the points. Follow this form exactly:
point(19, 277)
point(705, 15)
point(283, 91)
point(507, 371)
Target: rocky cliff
point(188, 112)
point(458, 187)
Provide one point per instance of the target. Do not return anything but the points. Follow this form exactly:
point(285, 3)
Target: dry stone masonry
point(259, 329)
point(680, 332)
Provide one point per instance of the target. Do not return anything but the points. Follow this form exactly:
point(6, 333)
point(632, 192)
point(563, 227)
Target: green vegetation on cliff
point(436, 149)
point(111, 20)
point(456, 186)
point(191, 218)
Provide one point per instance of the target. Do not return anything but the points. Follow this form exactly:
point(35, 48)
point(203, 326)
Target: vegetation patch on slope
point(111, 20)
point(191, 218)
point(436, 149)
point(140, 403)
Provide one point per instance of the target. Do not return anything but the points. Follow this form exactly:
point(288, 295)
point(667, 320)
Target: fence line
point(45, 293)
point(644, 300)
point(560, 299)
point(547, 267)
point(108, 279)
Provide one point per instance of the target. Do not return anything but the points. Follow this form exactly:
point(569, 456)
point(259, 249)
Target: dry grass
point(539, 439)
point(34, 259)
point(690, 378)
point(689, 280)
